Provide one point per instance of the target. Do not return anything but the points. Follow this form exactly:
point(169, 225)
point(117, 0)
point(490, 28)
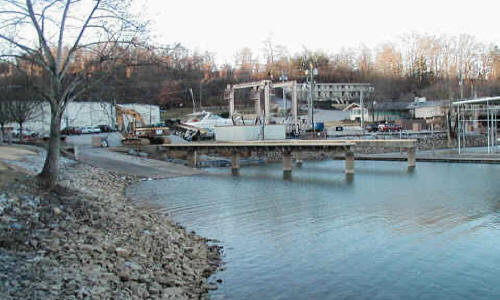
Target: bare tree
point(64, 31)
point(5, 116)
point(22, 111)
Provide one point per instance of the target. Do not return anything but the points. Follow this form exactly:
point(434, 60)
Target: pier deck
point(287, 147)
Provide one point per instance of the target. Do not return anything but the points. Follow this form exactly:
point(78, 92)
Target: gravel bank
point(85, 240)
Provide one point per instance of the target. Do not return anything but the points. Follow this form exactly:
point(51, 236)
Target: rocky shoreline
point(86, 240)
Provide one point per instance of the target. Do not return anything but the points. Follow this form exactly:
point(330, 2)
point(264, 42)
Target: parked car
point(86, 129)
point(91, 129)
point(372, 127)
point(105, 128)
point(389, 127)
point(71, 130)
point(27, 133)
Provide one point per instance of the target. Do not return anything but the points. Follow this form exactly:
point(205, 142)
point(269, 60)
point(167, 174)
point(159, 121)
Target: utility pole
point(362, 110)
point(313, 72)
point(113, 114)
point(192, 98)
point(284, 78)
point(461, 84)
point(200, 97)
point(312, 101)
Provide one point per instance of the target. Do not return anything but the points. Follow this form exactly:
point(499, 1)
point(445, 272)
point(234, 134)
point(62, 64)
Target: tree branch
point(41, 37)
point(23, 47)
point(80, 35)
point(61, 34)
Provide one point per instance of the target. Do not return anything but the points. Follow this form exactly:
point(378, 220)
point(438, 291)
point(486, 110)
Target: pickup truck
point(389, 127)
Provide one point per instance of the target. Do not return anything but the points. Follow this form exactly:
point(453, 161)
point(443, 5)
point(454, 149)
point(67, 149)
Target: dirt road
point(133, 165)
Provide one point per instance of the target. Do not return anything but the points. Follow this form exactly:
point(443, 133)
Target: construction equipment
point(137, 121)
point(135, 132)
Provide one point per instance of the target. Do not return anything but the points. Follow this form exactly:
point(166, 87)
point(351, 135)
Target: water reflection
point(384, 233)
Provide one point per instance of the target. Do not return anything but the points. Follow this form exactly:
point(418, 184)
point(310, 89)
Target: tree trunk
point(50, 172)
point(21, 132)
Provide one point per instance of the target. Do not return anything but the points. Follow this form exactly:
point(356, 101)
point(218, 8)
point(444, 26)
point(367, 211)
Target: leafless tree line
point(440, 67)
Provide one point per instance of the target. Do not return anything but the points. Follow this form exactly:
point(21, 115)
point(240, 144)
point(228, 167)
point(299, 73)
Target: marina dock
point(289, 147)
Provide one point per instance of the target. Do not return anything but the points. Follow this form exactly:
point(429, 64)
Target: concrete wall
point(249, 133)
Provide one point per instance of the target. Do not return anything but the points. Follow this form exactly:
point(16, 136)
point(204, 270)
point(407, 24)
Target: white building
point(340, 93)
point(430, 109)
point(354, 110)
point(81, 114)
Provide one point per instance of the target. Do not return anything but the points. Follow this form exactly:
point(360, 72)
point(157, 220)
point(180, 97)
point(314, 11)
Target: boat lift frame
point(469, 111)
point(266, 86)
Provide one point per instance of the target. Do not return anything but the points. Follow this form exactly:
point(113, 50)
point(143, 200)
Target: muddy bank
point(85, 240)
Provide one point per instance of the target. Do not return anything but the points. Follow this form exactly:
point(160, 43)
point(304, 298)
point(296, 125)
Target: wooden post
point(412, 161)
point(287, 164)
point(235, 163)
point(349, 162)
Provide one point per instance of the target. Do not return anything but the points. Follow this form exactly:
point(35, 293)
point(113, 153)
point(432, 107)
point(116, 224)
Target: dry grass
point(14, 153)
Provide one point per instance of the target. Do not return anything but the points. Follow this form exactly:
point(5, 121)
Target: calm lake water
point(433, 233)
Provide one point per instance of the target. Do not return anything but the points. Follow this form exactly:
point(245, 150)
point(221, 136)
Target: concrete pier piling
point(287, 164)
point(412, 161)
point(75, 152)
point(298, 159)
point(349, 162)
point(193, 158)
point(235, 163)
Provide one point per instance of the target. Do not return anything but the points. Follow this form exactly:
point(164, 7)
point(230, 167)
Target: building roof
point(478, 100)
point(391, 105)
point(431, 103)
point(351, 106)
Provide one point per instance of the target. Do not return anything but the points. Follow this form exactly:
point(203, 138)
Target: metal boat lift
point(266, 86)
point(469, 112)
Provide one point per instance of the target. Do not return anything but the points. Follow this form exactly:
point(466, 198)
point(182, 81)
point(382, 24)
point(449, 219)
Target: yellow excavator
point(135, 132)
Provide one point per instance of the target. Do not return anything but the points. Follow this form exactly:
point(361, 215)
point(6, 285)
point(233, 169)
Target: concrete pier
point(298, 159)
point(192, 158)
point(412, 162)
point(235, 163)
point(75, 152)
point(287, 164)
point(349, 162)
point(287, 147)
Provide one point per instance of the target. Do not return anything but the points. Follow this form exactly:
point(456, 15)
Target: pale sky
point(224, 26)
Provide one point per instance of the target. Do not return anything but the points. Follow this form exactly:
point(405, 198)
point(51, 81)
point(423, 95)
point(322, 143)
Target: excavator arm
point(120, 111)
